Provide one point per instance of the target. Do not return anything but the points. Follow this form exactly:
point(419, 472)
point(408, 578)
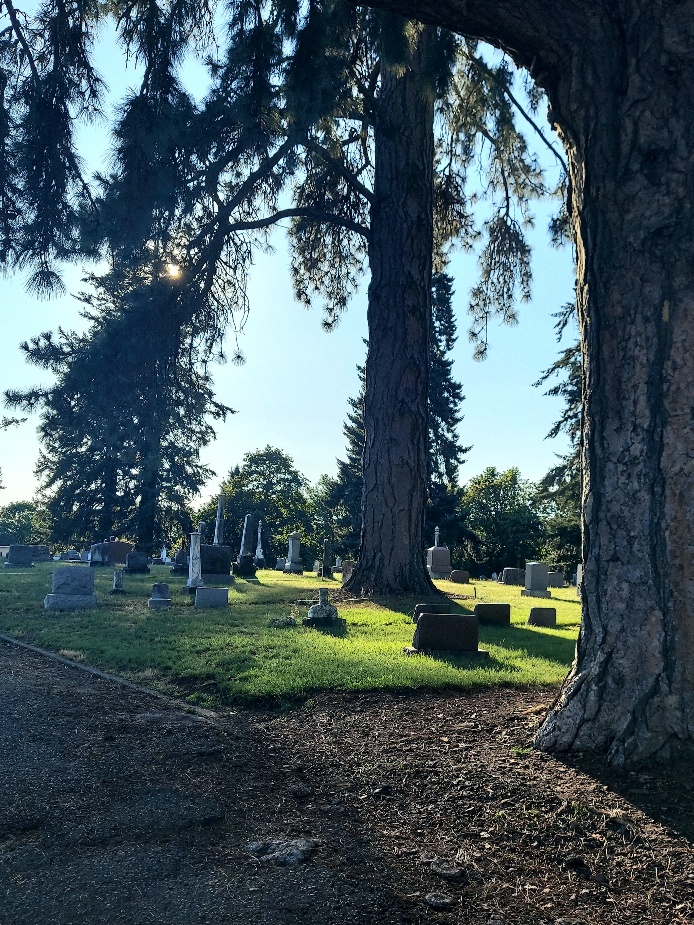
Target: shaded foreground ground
point(115, 807)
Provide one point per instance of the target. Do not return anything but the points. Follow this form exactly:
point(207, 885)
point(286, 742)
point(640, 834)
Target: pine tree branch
point(346, 174)
point(316, 215)
point(488, 72)
point(14, 19)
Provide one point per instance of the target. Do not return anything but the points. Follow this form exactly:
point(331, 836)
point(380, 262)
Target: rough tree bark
point(399, 315)
point(620, 79)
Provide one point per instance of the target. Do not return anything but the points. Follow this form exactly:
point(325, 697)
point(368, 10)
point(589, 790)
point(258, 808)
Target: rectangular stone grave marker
point(20, 557)
point(72, 589)
point(208, 598)
point(555, 579)
point(160, 596)
point(513, 576)
point(447, 632)
point(293, 563)
point(535, 580)
point(543, 616)
point(499, 614)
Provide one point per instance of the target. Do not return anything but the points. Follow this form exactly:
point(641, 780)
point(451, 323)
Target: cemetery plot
point(264, 646)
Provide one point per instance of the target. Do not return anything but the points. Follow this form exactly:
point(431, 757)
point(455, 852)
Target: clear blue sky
point(293, 390)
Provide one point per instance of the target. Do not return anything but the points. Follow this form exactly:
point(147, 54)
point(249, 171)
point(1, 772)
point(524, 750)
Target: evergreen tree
point(446, 454)
point(559, 491)
point(123, 405)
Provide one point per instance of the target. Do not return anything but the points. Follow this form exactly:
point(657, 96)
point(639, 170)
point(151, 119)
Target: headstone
point(20, 557)
point(117, 551)
point(535, 580)
point(180, 566)
point(163, 553)
point(98, 554)
point(63, 557)
point(160, 596)
point(259, 558)
point(347, 569)
point(219, 522)
point(543, 616)
point(555, 580)
point(499, 614)
point(513, 576)
point(280, 564)
point(136, 563)
point(243, 567)
point(72, 589)
point(73, 555)
point(157, 560)
point(460, 577)
point(579, 578)
point(419, 609)
point(84, 555)
point(194, 564)
point(293, 563)
point(118, 582)
point(449, 632)
point(216, 563)
point(438, 559)
point(323, 613)
point(206, 598)
point(326, 570)
point(41, 554)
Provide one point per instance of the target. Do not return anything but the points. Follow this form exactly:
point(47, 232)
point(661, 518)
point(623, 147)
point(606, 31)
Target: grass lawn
point(215, 656)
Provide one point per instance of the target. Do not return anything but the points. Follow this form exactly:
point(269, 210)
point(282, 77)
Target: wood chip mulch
point(362, 809)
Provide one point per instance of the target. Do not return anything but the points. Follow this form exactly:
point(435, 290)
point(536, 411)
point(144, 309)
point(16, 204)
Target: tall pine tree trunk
point(391, 557)
point(620, 77)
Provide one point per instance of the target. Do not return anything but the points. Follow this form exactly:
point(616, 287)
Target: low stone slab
point(513, 576)
point(555, 580)
point(449, 632)
point(526, 592)
point(419, 609)
point(543, 616)
point(70, 602)
point(499, 614)
point(460, 577)
point(208, 598)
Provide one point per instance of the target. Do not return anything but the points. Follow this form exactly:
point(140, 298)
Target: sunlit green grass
point(234, 655)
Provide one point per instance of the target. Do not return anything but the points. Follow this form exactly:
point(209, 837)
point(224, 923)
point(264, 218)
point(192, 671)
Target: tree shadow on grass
point(338, 629)
point(530, 642)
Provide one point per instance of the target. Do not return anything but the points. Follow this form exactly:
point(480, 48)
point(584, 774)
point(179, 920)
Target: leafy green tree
point(26, 522)
point(268, 486)
point(498, 508)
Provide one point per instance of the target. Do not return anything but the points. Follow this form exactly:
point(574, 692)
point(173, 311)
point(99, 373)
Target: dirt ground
point(369, 808)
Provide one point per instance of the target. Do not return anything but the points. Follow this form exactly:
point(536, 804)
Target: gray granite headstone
point(208, 598)
point(438, 559)
point(323, 613)
point(293, 563)
point(451, 632)
point(20, 557)
point(136, 563)
point(535, 580)
point(280, 564)
point(160, 596)
point(72, 589)
point(543, 616)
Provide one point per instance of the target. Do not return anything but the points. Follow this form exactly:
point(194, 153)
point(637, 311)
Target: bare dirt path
point(116, 808)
